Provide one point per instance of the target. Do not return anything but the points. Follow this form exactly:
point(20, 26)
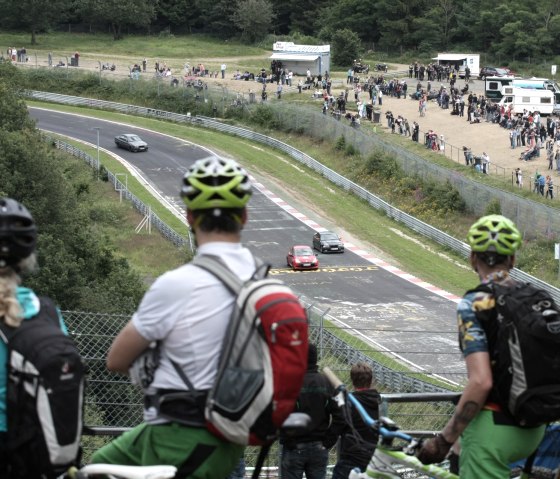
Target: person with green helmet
point(186, 312)
point(489, 438)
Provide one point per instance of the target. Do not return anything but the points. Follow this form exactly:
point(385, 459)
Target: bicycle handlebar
point(387, 428)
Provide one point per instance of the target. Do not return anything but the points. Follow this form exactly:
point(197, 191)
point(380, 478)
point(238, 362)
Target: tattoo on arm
point(464, 416)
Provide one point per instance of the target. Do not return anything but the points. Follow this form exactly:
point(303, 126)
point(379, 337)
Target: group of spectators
point(17, 54)
point(432, 72)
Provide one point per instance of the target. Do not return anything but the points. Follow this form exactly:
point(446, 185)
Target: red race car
point(302, 257)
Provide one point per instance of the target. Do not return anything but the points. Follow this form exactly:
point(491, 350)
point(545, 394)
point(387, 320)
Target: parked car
point(302, 257)
point(492, 72)
point(327, 242)
point(131, 142)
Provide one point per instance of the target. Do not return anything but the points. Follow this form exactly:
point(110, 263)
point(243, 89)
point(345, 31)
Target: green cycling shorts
point(194, 451)
point(490, 443)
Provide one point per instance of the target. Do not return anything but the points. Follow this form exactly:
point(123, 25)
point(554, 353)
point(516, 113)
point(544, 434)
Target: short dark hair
point(491, 258)
point(361, 375)
point(225, 220)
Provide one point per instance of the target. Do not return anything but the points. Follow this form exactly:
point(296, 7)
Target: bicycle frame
point(383, 460)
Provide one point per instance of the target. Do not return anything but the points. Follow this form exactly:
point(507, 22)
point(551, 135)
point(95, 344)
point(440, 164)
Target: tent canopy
point(451, 56)
point(293, 57)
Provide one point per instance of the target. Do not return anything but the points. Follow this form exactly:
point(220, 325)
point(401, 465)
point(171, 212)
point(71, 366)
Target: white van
point(520, 99)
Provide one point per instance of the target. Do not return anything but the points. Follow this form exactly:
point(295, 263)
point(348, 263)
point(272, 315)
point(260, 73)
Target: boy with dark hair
point(357, 439)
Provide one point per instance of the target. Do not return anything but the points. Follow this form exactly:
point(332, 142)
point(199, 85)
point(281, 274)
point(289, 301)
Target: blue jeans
point(239, 471)
point(311, 458)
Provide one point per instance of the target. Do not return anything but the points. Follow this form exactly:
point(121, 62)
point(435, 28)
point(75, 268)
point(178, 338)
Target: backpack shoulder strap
point(214, 265)
point(49, 310)
point(5, 332)
point(481, 288)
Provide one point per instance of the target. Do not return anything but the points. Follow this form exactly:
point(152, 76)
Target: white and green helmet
point(215, 183)
point(494, 233)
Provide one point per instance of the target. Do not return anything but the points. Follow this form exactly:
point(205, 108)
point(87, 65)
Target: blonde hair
point(10, 309)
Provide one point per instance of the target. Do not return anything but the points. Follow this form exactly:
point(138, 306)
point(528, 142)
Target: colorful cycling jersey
point(30, 306)
point(473, 306)
point(472, 337)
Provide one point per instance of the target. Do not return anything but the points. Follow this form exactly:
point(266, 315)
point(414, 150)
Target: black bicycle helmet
point(18, 233)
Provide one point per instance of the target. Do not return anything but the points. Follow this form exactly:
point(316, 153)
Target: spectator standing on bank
point(549, 187)
point(415, 131)
point(279, 91)
point(350, 76)
point(223, 70)
point(76, 59)
point(353, 452)
point(519, 177)
point(542, 182)
point(485, 162)
point(306, 452)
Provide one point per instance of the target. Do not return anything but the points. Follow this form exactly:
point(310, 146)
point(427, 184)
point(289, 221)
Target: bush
point(383, 165)
point(493, 207)
point(340, 143)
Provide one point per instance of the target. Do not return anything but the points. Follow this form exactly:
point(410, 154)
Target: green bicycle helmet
point(215, 183)
point(494, 233)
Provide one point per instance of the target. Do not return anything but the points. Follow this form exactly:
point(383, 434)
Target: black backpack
point(45, 394)
point(524, 340)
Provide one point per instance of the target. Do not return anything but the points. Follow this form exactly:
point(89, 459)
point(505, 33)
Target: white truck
point(530, 99)
point(460, 61)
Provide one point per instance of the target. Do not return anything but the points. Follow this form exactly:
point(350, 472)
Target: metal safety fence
point(114, 405)
point(145, 210)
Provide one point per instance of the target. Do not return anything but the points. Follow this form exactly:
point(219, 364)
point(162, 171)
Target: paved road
point(378, 304)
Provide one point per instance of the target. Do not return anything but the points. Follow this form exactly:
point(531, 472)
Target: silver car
point(131, 142)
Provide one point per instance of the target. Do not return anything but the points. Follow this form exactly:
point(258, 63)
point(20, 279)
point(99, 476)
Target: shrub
point(493, 207)
point(340, 143)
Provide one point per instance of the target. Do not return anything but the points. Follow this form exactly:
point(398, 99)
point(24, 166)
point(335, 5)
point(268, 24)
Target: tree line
point(513, 29)
point(77, 267)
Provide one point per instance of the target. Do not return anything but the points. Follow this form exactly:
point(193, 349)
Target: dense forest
point(77, 266)
point(511, 29)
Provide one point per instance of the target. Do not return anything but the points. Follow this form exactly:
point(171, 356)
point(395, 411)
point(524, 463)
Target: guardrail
point(398, 215)
point(166, 230)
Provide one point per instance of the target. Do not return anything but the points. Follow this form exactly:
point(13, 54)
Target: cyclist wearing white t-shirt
point(187, 310)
